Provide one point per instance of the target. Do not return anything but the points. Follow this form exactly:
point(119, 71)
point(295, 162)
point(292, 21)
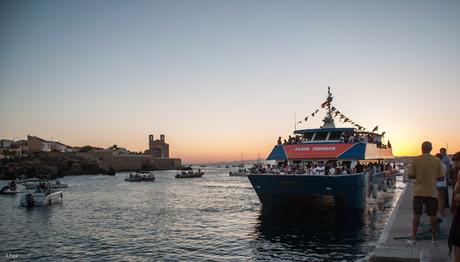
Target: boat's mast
point(328, 119)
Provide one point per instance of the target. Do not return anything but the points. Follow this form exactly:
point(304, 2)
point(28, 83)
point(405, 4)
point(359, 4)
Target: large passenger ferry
point(342, 166)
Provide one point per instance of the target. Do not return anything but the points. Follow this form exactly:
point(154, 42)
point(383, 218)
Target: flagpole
point(295, 121)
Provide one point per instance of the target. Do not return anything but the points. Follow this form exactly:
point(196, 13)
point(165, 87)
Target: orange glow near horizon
point(226, 78)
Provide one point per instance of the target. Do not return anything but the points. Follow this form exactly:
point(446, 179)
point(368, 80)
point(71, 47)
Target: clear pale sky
point(223, 77)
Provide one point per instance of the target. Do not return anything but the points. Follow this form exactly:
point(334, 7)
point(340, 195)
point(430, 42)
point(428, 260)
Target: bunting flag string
point(336, 113)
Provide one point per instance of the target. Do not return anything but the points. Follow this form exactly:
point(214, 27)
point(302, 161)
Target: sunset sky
point(221, 78)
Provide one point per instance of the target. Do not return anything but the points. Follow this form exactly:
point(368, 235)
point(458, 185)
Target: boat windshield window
point(335, 135)
point(308, 136)
point(321, 136)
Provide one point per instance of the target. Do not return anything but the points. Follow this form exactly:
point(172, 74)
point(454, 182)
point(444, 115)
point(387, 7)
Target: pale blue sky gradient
point(224, 77)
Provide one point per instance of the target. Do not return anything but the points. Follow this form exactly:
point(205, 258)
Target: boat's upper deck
point(332, 143)
point(331, 135)
point(335, 135)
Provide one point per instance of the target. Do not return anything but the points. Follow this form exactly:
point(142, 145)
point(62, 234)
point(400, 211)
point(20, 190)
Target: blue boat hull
point(345, 191)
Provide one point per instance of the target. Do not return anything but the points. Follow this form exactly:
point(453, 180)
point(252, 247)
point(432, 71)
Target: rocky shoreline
point(53, 164)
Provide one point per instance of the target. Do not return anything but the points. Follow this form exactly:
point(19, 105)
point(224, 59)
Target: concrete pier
point(392, 244)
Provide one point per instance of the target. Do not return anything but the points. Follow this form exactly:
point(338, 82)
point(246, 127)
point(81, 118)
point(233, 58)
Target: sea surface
point(213, 218)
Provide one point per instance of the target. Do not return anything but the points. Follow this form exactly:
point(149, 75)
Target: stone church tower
point(158, 148)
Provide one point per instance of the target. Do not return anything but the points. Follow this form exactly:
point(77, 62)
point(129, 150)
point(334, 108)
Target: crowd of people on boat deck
point(329, 168)
point(344, 138)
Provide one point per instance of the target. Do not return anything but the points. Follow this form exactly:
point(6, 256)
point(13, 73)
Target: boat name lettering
point(324, 148)
point(302, 149)
point(315, 148)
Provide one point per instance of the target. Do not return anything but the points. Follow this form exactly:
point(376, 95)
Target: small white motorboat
point(10, 189)
point(56, 184)
point(42, 195)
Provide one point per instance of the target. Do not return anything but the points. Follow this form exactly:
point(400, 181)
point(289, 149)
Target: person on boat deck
point(359, 168)
point(351, 139)
point(388, 144)
point(342, 138)
point(320, 169)
point(344, 171)
point(305, 139)
point(313, 169)
point(378, 141)
point(279, 141)
point(426, 169)
point(332, 171)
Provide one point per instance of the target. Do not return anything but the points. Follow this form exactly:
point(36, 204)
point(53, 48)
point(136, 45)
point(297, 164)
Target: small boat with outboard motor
point(190, 174)
point(10, 189)
point(140, 177)
point(42, 195)
point(332, 165)
point(32, 183)
point(239, 172)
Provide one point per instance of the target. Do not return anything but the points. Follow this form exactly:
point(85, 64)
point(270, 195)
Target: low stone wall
point(107, 160)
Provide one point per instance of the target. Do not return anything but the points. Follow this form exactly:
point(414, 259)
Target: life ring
point(374, 190)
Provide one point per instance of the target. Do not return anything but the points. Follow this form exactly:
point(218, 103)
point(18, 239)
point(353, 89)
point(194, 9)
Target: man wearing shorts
point(426, 170)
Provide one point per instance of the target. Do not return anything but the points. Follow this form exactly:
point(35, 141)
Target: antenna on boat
point(328, 119)
point(295, 121)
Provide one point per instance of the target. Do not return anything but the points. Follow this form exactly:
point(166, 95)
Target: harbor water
point(213, 218)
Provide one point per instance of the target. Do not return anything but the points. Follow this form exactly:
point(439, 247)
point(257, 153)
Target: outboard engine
point(30, 200)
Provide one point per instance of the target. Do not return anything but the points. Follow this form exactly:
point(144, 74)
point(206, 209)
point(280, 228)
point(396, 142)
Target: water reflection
point(216, 217)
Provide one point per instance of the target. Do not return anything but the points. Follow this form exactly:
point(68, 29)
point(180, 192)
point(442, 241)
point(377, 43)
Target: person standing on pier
point(454, 233)
point(445, 159)
point(426, 169)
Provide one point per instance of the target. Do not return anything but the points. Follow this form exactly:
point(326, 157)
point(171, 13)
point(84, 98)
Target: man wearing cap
point(426, 170)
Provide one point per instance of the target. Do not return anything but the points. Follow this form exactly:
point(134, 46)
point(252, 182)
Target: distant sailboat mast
point(241, 164)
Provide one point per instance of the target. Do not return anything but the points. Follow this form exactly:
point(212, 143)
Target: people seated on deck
point(344, 171)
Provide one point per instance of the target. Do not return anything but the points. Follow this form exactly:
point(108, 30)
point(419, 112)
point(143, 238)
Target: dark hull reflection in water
point(322, 232)
point(315, 234)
